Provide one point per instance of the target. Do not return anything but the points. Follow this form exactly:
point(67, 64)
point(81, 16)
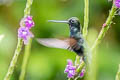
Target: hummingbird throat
point(75, 32)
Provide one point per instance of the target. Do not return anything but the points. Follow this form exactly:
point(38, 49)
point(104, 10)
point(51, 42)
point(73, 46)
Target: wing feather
point(53, 42)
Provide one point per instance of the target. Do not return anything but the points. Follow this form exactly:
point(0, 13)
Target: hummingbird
point(75, 41)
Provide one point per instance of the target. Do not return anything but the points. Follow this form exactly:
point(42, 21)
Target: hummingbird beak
point(57, 21)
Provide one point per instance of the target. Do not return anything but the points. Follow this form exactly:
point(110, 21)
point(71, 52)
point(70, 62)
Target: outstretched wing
point(57, 43)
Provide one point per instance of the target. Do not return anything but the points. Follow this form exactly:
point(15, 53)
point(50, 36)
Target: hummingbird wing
point(57, 43)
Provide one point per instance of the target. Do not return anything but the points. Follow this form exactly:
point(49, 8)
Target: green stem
point(28, 8)
point(25, 60)
point(77, 61)
point(14, 60)
point(105, 27)
point(28, 46)
point(86, 18)
point(118, 74)
point(80, 67)
point(78, 70)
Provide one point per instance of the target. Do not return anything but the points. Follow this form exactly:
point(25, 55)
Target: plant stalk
point(14, 60)
point(25, 60)
point(86, 18)
point(105, 27)
point(28, 46)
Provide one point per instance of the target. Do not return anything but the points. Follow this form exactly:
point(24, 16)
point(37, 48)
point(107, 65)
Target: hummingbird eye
point(72, 21)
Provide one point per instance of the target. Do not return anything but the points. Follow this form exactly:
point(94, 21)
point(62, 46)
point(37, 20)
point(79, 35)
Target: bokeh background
point(49, 63)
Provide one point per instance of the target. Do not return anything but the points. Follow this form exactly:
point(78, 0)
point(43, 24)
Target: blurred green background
point(49, 63)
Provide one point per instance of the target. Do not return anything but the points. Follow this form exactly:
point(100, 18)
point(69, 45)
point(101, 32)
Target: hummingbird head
point(74, 22)
point(74, 25)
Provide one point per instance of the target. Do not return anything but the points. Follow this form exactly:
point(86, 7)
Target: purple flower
point(117, 3)
point(25, 34)
point(24, 31)
point(82, 72)
point(70, 69)
point(27, 22)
